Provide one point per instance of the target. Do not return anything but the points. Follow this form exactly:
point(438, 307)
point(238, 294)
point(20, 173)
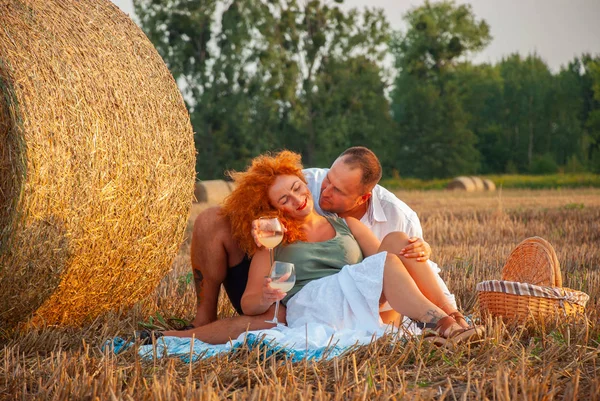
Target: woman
point(334, 284)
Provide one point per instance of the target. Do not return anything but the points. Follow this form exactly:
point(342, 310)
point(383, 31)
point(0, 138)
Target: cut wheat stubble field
point(471, 235)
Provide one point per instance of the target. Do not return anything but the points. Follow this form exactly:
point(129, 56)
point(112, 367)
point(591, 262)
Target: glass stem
point(276, 313)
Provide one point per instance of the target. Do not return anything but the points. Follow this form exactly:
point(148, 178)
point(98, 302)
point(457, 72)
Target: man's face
point(341, 190)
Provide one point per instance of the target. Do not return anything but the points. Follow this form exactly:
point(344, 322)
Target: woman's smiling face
point(291, 195)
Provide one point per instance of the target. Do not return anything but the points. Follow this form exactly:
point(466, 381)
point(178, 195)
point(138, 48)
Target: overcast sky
point(556, 29)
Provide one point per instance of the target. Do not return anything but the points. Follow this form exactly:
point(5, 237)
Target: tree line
point(260, 75)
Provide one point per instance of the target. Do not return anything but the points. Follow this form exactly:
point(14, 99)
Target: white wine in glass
point(273, 241)
point(285, 286)
point(270, 234)
point(283, 277)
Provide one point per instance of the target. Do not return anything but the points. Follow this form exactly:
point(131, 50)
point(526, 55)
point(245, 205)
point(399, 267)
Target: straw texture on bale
point(478, 182)
point(212, 191)
point(488, 184)
point(97, 162)
point(462, 184)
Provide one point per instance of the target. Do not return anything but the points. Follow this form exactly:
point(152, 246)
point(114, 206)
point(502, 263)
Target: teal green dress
point(315, 260)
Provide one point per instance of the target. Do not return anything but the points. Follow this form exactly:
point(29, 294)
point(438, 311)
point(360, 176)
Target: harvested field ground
point(472, 235)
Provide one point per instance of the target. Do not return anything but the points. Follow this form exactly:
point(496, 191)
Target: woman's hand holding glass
point(281, 280)
point(270, 294)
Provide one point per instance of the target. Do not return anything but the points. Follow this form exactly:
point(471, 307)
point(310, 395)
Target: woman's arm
point(259, 296)
point(368, 242)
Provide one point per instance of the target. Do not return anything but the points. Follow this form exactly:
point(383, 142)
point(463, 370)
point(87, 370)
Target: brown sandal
point(458, 317)
point(441, 336)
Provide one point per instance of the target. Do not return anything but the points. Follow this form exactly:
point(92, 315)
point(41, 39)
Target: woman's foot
point(460, 319)
point(447, 331)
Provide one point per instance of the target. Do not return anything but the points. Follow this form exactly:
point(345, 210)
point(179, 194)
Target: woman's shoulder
point(346, 221)
point(353, 223)
point(355, 226)
point(341, 225)
point(335, 220)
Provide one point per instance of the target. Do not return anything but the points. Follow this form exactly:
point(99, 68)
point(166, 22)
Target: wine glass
point(270, 234)
point(283, 277)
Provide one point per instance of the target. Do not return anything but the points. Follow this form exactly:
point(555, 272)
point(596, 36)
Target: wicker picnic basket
point(531, 287)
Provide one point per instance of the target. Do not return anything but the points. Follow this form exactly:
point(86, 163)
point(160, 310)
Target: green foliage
point(434, 137)
point(414, 183)
point(593, 116)
point(584, 180)
point(574, 165)
point(574, 206)
point(158, 322)
point(438, 34)
point(527, 84)
point(183, 282)
point(481, 93)
point(516, 116)
point(262, 75)
point(568, 136)
point(265, 75)
point(544, 164)
point(511, 168)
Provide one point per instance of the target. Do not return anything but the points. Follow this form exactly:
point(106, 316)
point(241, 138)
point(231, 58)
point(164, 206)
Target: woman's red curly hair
point(249, 200)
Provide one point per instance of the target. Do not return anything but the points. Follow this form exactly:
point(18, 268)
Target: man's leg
point(223, 330)
point(213, 251)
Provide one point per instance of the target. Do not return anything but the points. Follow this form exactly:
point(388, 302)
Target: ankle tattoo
point(431, 316)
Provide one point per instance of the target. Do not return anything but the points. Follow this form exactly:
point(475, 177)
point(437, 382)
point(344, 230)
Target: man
point(348, 188)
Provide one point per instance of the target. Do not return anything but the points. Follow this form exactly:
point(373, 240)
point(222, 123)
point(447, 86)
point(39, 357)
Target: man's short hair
point(367, 161)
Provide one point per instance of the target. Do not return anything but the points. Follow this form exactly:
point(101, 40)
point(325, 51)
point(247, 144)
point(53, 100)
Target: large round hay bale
point(488, 184)
point(478, 182)
point(212, 191)
point(97, 162)
point(461, 184)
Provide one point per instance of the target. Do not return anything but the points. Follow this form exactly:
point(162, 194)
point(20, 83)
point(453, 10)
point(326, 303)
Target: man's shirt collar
point(375, 212)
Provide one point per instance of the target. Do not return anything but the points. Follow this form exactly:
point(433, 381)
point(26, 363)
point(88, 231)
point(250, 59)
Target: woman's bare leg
point(420, 272)
point(403, 294)
point(391, 317)
point(400, 290)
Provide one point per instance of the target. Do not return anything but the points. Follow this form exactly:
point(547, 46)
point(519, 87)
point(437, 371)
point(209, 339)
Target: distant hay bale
point(478, 182)
point(212, 191)
point(96, 162)
point(489, 184)
point(200, 195)
point(462, 184)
